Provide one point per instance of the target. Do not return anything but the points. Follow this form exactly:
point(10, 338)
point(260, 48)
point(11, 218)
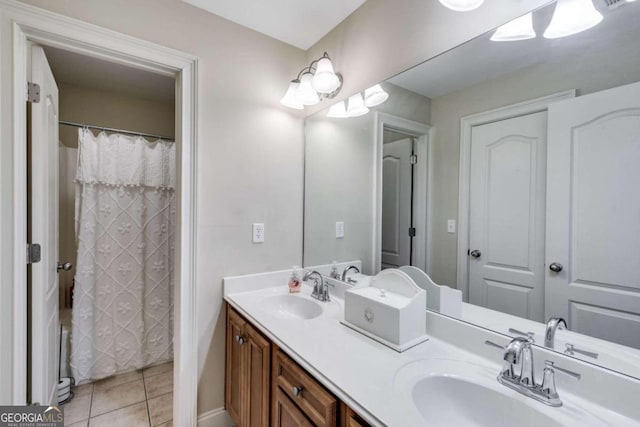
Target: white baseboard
point(215, 418)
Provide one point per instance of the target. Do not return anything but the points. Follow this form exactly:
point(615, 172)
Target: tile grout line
point(146, 397)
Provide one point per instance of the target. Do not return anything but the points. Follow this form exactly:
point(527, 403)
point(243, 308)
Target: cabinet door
point(259, 369)
point(286, 413)
point(236, 373)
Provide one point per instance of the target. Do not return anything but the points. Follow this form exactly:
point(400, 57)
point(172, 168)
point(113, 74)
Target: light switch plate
point(258, 233)
point(339, 229)
point(451, 226)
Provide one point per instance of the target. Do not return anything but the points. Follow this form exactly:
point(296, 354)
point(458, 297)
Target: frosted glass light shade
point(306, 94)
point(356, 106)
point(290, 99)
point(518, 29)
point(462, 5)
point(325, 79)
point(375, 95)
point(338, 111)
point(572, 17)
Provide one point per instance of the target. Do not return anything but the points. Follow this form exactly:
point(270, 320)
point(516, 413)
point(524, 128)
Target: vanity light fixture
point(338, 111)
point(462, 5)
point(572, 17)
point(375, 95)
point(355, 106)
point(314, 83)
point(519, 29)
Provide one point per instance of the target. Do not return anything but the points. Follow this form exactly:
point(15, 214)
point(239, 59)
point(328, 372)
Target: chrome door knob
point(556, 267)
point(64, 266)
point(475, 253)
point(297, 391)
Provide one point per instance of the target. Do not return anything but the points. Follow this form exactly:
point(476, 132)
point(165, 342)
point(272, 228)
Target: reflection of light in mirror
point(356, 107)
point(338, 111)
point(306, 93)
point(462, 5)
point(290, 99)
point(375, 95)
point(518, 29)
point(325, 79)
point(572, 17)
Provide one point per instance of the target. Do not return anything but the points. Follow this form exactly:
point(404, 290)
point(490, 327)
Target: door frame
point(422, 187)
point(25, 23)
point(467, 123)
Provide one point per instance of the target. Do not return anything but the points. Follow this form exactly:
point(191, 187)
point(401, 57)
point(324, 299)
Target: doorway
point(48, 29)
point(401, 195)
point(111, 160)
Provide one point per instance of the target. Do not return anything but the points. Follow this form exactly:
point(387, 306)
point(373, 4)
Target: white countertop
point(358, 370)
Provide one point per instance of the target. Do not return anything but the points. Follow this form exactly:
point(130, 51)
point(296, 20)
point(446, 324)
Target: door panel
point(259, 364)
point(593, 206)
point(236, 375)
point(507, 215)
point(396, 203)
point(44, 327)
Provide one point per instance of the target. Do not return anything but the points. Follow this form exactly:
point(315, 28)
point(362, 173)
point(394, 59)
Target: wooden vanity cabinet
point(348, 418)
point(248, 367)
point(263, 385)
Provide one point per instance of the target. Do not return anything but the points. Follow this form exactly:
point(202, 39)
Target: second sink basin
point(291, 307)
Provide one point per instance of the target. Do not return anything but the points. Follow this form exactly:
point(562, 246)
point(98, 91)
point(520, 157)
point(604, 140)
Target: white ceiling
point(300, 23)
point(481, 59)
point(94, 73)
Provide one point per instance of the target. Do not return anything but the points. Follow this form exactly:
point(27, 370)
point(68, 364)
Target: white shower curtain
point(125, 220)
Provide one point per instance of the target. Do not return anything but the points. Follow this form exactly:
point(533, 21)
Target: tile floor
point(135, 399)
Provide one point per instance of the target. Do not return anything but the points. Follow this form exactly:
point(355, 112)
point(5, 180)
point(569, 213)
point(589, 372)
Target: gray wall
point(339, 180)
point(585, 72)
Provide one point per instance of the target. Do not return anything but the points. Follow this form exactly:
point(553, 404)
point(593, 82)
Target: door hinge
point(414, 159)
point(33, 253)
point(33, 92)
point(412, 232)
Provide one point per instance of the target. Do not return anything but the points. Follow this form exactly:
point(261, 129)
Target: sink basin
point(471, 404)
point(447, 392)
point(291, 307)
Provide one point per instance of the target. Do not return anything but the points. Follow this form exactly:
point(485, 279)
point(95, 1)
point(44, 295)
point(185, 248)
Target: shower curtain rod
point(106, 129)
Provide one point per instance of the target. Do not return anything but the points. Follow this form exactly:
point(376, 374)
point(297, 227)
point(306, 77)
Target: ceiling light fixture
point(356, 107)
point(519, 29)
point(314, 83)
point(572, 17)
point(462, 5)
point(375, 95)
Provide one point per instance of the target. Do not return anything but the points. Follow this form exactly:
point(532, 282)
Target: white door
point(506, 215)
point(396, 203)
point(44, 230)
point(593, 214)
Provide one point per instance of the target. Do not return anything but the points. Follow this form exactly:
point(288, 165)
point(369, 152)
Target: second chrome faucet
point(518, 372)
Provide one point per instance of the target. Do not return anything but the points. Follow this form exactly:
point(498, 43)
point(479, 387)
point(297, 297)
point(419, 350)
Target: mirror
point(507, 170)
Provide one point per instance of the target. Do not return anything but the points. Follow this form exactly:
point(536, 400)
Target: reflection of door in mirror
point(397, 202)
point(593, 214)
point(506, 215)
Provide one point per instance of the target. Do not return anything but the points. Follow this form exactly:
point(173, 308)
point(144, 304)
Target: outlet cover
point(258, 233)
point(340, 230)
point(451, 226)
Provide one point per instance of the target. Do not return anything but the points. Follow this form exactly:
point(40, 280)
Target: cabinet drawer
point(312, 398)
point(349, 418)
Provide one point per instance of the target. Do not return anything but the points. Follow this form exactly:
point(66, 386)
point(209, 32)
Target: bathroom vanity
point(290, 362)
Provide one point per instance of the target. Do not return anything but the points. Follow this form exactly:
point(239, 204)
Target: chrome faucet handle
point(570, 350)
point(548, 386)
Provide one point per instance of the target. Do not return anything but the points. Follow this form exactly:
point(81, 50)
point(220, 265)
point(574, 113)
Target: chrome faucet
point(320, 287)
point(346, 270)
point(553, 325)
point(517, 372)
